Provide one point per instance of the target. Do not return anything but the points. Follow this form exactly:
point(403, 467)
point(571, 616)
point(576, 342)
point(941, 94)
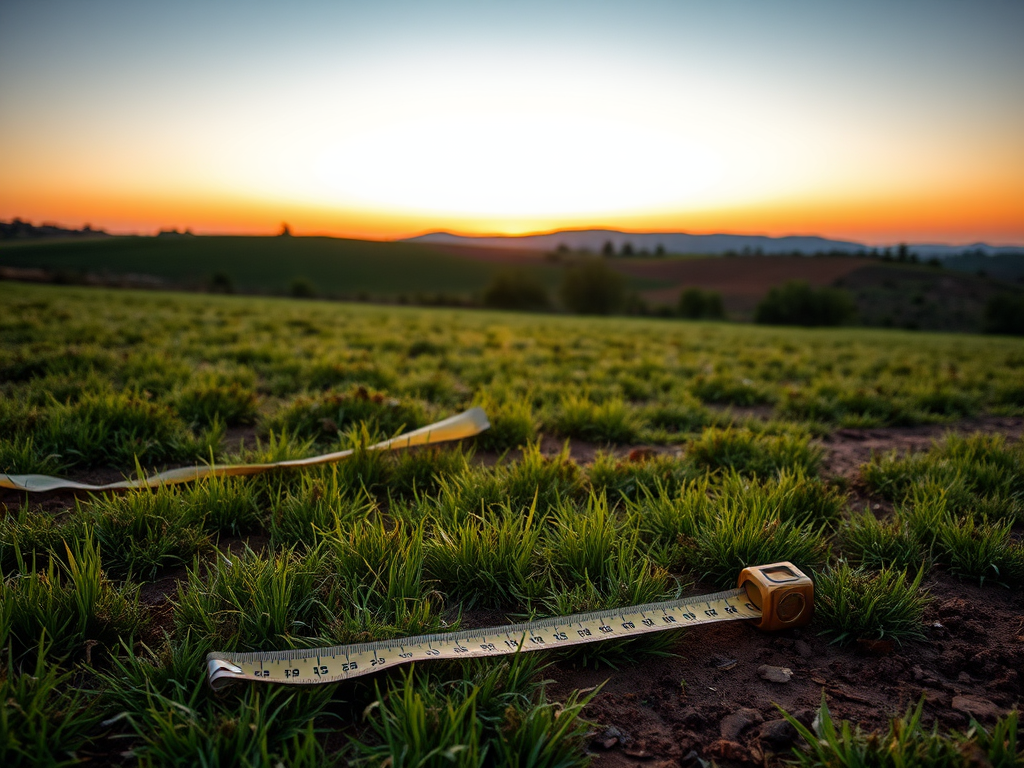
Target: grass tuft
point(906, 743)
point(853, 605)
point(748, 453)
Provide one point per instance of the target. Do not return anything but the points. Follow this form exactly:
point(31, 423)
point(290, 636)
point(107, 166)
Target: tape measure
point(467, 424)
point(776, 596)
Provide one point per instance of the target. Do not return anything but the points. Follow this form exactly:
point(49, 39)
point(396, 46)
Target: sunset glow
point(855, 121)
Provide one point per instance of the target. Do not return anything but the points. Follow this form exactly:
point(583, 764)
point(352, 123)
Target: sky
point(874, 121)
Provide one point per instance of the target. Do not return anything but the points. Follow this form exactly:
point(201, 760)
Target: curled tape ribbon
point(472, 422)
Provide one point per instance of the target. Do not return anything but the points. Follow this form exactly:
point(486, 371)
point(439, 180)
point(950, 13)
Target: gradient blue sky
point(874, 120)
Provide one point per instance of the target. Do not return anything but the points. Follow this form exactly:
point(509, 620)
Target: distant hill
point(681, 242)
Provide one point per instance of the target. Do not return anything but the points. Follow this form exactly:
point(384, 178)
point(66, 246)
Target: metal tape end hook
point(221, 673)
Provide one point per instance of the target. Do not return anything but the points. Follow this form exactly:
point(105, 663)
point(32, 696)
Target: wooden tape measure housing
point(782, 592)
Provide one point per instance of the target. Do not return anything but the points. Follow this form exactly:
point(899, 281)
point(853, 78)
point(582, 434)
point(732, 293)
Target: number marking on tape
point(312, 666)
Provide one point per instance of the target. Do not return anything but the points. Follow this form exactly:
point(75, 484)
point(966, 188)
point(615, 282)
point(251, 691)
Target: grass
point(907, 743)
point(857, 605)
point(44, 717)
point(703, 458)
point(69, 605)
point(497, 716)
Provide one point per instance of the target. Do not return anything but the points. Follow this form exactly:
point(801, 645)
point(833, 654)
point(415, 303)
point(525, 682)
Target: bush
point(1004, 313)
point(516, 289)
point(593, 288)
point(701, 305)
point(796, 303)
point(221, 282)
point(302, 288)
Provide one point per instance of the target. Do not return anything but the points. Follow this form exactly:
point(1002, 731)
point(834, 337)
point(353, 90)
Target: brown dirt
point(848, 449)
point(491, 255)
point(741, 281)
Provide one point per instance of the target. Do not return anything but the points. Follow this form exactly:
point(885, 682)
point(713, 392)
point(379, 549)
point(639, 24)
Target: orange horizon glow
point(866, 122)
point(997, 222)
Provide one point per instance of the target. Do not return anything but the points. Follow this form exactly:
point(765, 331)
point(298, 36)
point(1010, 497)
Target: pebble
point(775, 674)
point(803, 649)
point(611, 736)
point(733, 725)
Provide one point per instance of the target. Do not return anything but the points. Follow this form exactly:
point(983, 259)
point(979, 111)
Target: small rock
point(964, 678)
point(977, 707)
point(777, 733)
point(803, 649)
point(736, 723)
point(775, 674)
point(610, 737)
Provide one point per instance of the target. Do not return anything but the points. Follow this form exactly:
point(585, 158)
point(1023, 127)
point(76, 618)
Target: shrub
point(701, 305)
point(516, 289)
point(796, 303)
point(1004, 313)
point(221, 282)
point(593, 288)
point(302, 288)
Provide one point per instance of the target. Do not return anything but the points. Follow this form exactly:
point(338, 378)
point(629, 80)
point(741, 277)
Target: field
point(915, 297)
point(629, 461)
point(337, 267)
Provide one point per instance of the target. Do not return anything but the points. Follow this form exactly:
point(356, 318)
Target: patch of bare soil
point(517, 256)
point(741, 281)
point(846, 450)
point(712, 700)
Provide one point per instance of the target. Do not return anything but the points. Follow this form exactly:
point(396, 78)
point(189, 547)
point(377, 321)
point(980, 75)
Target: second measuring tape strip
point(467, 424)
point(777, 596)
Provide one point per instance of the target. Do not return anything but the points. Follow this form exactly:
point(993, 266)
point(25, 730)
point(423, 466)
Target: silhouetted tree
point(221, 283)
point(627, 249)
point(659, 250)
point(1004, 313)
point(608, 249)
point(592, 288)
point(302, 288)
point(796, 303)
point(516, 289)
point(701, 305)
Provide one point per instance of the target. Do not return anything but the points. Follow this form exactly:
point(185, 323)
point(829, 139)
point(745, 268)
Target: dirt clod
point(733, 726)
point(775, 674)
point(977, 707)
point(777, 734)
